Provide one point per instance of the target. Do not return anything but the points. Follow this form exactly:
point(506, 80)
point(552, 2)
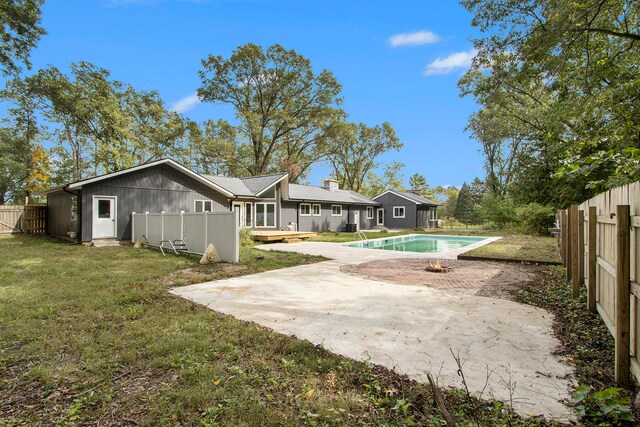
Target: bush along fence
point(31, 219)
point(599, 245)
point(195, 230)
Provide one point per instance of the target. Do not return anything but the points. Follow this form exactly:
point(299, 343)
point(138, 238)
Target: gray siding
point(288, 213)
point(388, 201)
point(156, 189)
point(326, 221)
point(59, 221)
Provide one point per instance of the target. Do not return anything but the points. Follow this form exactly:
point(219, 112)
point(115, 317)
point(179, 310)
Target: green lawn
point(91, 336)
point(520, 248)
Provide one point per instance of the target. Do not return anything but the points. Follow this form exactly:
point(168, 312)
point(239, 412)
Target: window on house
point(336, 210)
point(433, 214)
point(398, 211)
point(265, 214)
point(269, 194)
point(203, 206)
point(369, 212)
point(317, 210)
point(305, 209)
point(74, 208)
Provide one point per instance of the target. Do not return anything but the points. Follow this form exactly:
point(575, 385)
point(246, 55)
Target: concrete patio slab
point(407, 328)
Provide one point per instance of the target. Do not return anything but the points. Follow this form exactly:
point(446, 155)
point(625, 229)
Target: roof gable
point(418, 200)
point(168, 162)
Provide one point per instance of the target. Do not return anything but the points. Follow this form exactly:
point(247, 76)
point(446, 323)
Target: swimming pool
point(418, 243)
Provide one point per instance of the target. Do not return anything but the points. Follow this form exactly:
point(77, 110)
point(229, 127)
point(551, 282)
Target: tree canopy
point(21, 31)
point(285, 110)
point(558, 83)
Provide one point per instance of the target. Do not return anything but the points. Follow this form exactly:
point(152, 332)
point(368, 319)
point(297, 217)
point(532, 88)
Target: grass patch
point(520, 248)
point(585, 340)
point(91, 336)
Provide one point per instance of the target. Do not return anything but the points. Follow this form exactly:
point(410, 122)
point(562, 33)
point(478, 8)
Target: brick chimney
point(331, 184)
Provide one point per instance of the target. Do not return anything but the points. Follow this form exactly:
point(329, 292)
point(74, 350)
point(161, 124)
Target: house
point(406, 209)
point(101, 207)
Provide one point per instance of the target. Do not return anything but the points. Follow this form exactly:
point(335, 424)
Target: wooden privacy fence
point(30, 219)
point(599, 246)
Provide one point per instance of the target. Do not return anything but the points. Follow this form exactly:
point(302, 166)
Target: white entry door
point(380, 218)
point(104, 217)
point(356, 219)
point(245, 214)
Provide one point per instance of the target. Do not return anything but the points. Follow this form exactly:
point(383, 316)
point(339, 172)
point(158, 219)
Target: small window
point(369, 212)
point(74, 208)
point(104, 208)
point(203, 206)
point(317, 210)
point(398, 211)
point(269, 194)
point(336, 210)
point(305, 209)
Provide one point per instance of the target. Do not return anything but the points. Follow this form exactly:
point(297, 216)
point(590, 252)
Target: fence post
point(563, 235)
point(182, 225)
point(592, 263)
point(575, 247)
point(570, 248)
point(161, 226)
point(623, 278)
point(206, 230)
point(133, 227)
point(146, 225)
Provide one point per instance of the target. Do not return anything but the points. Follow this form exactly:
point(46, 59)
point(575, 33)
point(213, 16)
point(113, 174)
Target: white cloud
point(414, 39)
point(449, 63)
point(186, 104)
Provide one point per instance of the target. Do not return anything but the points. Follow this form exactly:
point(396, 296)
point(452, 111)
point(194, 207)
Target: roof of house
point(168, 162)
point(418, 200)
point(247, 187)
point(241, 187)
point(321, 194)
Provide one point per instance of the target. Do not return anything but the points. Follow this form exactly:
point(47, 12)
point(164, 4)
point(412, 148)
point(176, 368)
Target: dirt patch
point(203, 273)
point(492, 279)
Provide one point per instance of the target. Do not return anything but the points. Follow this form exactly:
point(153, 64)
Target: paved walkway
point(407, 328)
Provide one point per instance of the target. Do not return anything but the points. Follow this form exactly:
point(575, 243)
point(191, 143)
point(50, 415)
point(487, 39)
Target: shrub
point(535, 218)
point(246, 237)
point(499, 211)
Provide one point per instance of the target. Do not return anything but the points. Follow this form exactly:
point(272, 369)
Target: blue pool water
point(418, 243)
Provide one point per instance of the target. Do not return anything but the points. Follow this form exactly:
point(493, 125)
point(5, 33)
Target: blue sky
point(409, 80)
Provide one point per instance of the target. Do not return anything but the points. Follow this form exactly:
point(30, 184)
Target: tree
point(477, 188)
point(464, 206)
point(418, 182)
point(15, 159)
point(99, 124)
point(211, 149)
point(392, 179)
point(20, 20)
point(558, 86)
point(353, 151)
point(284, 109)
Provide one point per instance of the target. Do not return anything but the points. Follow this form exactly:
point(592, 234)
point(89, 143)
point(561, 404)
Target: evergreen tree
point(464, 207)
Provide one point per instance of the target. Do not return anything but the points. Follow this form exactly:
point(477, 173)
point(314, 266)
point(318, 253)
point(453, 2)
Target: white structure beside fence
point(197, 230)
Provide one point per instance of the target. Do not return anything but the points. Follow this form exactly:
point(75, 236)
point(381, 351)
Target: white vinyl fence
point(197, 230)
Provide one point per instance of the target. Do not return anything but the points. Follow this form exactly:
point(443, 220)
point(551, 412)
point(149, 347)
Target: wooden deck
point(281, 236)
